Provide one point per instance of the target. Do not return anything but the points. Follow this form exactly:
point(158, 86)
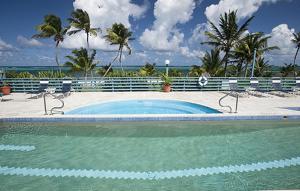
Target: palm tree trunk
point(111, 65)
point(246, 70)
point(120, 58)
point(87, 42)
point(56, 56)
point(295, 61)
point(225, 59)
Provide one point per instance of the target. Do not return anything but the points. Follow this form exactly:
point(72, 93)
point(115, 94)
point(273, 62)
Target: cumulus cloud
point(164, 35)
point(103, 13)
point(25, 42)
point(246, 8)
point(281, 37)
point(5, 46)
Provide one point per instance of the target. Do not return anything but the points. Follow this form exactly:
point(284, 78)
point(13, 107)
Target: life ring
point(202, 81)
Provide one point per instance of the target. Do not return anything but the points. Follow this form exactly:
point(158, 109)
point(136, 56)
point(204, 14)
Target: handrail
point(53, 110)
point(227, 106)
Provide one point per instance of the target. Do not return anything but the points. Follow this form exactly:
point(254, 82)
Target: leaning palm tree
point(212, 63)
point(245, 49)
point(80, 21)
point(52, 27)
point(227, 35)
point(296, 41)
point(82, 61)
point(119, 35)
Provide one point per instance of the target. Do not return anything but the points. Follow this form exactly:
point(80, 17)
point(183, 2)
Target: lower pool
point(147, 106)
point(242, 155)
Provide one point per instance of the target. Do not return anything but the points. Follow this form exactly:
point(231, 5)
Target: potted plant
point(5, 89)
point(167, 82)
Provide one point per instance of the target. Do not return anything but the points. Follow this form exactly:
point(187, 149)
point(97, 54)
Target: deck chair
point(41, 90)
point(233, 86)
point(66, 88)
point(279, 91)
point(254, 89)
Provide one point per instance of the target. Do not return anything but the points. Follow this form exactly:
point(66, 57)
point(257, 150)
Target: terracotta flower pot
point(167, 88)
point(6, 90)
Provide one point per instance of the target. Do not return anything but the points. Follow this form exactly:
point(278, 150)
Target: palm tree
point(196, 71)
point(148, 69)
point(212, 63)
point(287, 70)
point(118, 34)
point(81, 22)
point(227, 35)
point(82, 61)
point(52, 27)
point(296, 40)
point(262, 68)
point(244, 51)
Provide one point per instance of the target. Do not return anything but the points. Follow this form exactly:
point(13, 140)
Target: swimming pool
point(144, 107)
point(242, 155)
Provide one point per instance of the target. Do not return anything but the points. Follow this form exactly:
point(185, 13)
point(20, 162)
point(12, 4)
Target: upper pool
point(144, 107)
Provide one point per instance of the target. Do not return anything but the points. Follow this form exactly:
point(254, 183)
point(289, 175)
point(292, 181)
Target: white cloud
point(103, 13)
point(281, 36)
point(246, 8)
point(23, 41)
point(164, 35)
point(191, 53)
point(5, 46)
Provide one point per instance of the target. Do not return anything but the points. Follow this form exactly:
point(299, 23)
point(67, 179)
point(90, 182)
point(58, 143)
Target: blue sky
point(164, 29)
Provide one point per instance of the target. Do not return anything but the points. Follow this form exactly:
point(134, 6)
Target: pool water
point(144, 107)
point(164, 156)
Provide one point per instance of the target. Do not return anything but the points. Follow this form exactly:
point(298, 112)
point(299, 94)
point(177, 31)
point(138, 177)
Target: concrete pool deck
point(17, 105)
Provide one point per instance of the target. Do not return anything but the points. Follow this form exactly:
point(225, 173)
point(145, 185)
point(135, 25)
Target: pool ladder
point(233, 94)
point(56, 109)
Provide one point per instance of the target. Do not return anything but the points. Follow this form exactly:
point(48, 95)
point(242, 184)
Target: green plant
point(174, 72)
point(52, 27)
point(82, 61)
point(147, 70)
point(80, 20)
point(196, 71)
point(167, 81)
point(119, 35)
point(50, 74)
point(245, 49)
point(227, 35)
point(212, 63)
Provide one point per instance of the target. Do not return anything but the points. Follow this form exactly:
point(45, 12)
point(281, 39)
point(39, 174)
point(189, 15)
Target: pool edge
point(85, 119)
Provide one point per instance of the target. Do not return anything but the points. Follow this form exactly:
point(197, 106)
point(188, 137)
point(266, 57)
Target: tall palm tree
point(212, 63)
point(119, 35)
point(244, 51)
point(52, 27)
point(81, 22)
point(82, 61)
point(296, 41)
point(227, 35)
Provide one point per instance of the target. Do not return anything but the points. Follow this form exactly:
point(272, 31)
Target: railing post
point(130, 82)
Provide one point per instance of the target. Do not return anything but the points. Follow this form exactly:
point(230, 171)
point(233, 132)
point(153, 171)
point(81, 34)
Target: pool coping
point(140, 118)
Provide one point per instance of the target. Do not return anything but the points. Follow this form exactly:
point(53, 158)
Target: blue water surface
point(144, 107)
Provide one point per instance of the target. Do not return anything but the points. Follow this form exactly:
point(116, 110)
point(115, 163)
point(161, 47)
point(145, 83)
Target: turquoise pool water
point(162, 156)
point(144, 107)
